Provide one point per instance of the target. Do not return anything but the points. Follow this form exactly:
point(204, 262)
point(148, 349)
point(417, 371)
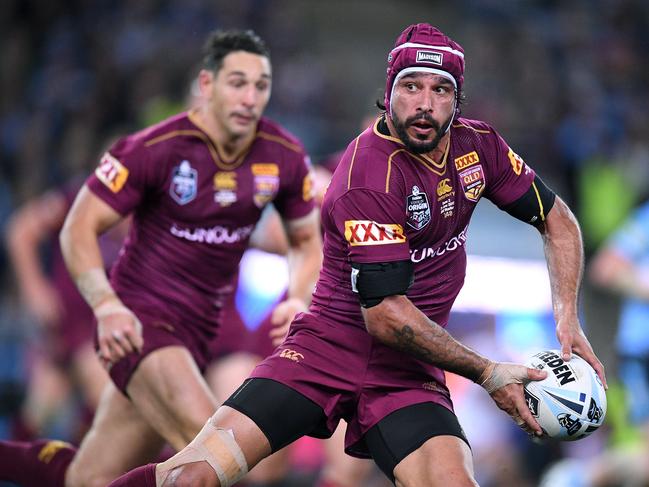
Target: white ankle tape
point(216, 446)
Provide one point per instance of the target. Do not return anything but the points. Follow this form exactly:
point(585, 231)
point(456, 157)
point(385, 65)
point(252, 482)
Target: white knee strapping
point(215, 446)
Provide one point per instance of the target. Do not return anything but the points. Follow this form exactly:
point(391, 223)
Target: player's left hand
point(282, 317)
point(572, 339)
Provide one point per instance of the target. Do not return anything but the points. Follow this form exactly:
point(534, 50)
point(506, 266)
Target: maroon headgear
point(424, 48)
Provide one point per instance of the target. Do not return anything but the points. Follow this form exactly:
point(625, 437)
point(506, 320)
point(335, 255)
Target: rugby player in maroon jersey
point(373, 348)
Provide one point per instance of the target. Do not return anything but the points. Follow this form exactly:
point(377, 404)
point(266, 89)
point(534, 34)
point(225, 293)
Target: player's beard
point(418, 146)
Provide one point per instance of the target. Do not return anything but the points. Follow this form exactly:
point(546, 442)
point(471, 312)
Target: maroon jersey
point(386, 204)
point(193, 212)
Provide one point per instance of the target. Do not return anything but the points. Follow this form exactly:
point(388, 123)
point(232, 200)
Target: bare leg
point(89, 375)
point(442, 461)
point(340, 469)
point(169, 391)
point(169, 401)
point(118, 440)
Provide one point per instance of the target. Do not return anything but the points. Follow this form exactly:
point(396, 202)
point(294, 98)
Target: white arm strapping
point(94, 286)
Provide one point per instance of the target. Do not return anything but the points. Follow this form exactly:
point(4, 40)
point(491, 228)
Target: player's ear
point(206, 80)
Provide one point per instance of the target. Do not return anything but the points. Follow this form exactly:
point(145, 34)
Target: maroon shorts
point(159, 333)
point(351, 375)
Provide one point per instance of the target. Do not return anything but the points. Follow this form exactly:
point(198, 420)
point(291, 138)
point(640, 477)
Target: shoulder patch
point(111, 172)
point(516, 161)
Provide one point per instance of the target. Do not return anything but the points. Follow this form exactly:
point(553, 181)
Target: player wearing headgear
point(373, 348)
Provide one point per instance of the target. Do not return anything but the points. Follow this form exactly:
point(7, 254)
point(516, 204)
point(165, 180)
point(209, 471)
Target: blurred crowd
point(565, 82)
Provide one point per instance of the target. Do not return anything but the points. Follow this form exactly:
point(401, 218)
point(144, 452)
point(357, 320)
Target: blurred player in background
point(373, 348)
point(64, 358)
point(196, 185)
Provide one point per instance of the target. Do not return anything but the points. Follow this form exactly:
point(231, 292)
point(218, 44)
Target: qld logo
point(184, 183)
point(417, 209)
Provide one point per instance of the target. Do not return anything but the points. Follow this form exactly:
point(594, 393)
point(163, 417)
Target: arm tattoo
point(405, 341)
point(449, 354)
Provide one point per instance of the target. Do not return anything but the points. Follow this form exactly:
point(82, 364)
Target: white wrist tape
point(217, 447)
point(94, 286)
point(498, 375)
point(111, 307)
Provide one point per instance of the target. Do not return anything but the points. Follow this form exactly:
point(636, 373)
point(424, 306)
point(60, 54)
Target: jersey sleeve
point(122, 177)
point(632, 240)
point(296, 197)
point(508, 176)
point(372, 224)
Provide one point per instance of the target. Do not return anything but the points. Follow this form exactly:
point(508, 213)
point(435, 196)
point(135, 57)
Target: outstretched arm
point(396, 322)
point(565, 258)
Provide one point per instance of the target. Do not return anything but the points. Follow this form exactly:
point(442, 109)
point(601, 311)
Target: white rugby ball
point(570, 403)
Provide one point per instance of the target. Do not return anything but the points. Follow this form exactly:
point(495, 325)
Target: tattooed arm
point(396, 322)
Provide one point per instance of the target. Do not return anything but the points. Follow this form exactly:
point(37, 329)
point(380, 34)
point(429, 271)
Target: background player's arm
point(396, 322)
point(118, 329)
point(270, 235)
point(304, 260)
point(612, 270)
point(28, 228)
point(565, 258)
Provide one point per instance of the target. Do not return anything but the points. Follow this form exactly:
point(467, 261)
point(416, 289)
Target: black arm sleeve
point(534, 205)
point(373, 282)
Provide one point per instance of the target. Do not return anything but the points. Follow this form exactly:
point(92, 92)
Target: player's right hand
point(119, 332)
point(504, 382)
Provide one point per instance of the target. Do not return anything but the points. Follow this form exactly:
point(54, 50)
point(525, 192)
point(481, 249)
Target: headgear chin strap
point(424, 48)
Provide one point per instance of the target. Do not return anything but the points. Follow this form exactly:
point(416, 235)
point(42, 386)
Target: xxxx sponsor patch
point(367, 232)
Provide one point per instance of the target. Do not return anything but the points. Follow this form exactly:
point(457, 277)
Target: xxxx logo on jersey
point(367, 232)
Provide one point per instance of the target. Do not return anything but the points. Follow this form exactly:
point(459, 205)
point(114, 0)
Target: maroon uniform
point(386, 204)
point(193, 213)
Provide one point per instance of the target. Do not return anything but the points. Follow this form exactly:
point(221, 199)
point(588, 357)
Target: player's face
point(240, 92)
point(422, 107)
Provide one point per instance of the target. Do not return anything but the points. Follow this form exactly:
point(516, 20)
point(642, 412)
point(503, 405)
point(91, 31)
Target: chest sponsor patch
point(184, 183)
point(466, 160)
point(417, 209)
point(367, 232)
point(111, 172)
point(473, 182)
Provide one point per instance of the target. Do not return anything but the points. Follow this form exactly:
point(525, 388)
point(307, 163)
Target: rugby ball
point(570, 403)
